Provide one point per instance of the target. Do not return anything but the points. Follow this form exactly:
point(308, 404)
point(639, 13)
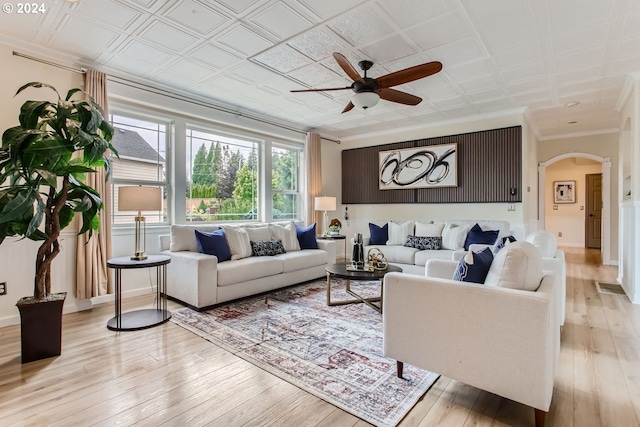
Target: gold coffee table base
point(340, 271)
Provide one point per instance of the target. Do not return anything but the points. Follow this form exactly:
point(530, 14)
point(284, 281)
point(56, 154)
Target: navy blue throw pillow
point(474, 266)
point(307, 237)
point(379, 235)
point(213, 243)
point(476, 235)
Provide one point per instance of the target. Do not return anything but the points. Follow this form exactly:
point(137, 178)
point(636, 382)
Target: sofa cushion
point(213, 243)
point(477, 235)
point(422, 257)
point(287, 233)
point(239, 243)
point(307, 237)
point(424, 242)
point(474, 266)
point(266, 247)
point(545, 241)
point(429, 229)
point(246, 269)
point(378, 235)
point(398, 232)
point(517, 266)
point(299, 260)
point(183, 237)
point(454, 236)
point(397, 254)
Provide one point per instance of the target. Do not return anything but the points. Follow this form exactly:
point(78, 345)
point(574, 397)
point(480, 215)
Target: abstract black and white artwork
point(419, 167)
point(564, 191)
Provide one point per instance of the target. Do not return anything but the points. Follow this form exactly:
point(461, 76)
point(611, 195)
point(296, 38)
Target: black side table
point(335, 237)
point(140, 319)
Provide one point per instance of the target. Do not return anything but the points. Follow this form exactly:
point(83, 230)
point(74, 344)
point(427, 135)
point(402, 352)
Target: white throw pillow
point(454, 236)
point(238, 241)
point(424, 229)
point(517, 266)
point(287, 234)
point(545, 241)
point(398, 232)
point(259, 233)
point(183, 237)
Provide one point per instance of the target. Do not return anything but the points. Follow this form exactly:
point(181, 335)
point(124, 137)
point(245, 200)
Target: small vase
point(357, 257)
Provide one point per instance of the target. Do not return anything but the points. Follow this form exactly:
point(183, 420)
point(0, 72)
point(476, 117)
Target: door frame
point(606, 196)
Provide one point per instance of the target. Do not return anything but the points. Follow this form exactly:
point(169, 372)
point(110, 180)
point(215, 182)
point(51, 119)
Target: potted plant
point(43, 162)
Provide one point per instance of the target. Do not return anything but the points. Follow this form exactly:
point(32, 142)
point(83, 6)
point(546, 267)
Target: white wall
point(567, 222)
point(17, 257)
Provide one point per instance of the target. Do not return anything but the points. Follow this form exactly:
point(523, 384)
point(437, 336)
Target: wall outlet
point(511, 207)
point(559, 233)
point(3, 288)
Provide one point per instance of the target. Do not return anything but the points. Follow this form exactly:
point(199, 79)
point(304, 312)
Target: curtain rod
point(169, 94)
point(82, 70)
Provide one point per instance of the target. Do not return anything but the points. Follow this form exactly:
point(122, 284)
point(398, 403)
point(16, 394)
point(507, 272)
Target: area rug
point(334, 353)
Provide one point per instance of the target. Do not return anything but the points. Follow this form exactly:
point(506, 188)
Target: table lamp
point(139, 198)
point(325, 204)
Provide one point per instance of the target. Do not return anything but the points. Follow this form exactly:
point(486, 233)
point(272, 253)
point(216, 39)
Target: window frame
point(168, 173)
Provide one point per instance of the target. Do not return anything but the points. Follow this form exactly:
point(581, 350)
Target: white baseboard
point(82, 305)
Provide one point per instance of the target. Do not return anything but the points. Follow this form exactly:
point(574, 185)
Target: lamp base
point(139, 256)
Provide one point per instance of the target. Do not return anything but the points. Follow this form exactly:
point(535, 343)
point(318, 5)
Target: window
point(142, 149)
point(222, 177)
point(284, 178)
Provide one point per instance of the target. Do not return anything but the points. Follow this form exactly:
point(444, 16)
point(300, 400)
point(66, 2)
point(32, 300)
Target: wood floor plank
point(168, 376)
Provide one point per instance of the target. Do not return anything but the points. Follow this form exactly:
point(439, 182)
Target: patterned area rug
point(334, 353)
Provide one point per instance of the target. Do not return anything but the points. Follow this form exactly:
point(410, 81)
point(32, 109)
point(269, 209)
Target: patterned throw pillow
point(266, 247)
point(474, 266)
point(502, 243)
point(424, 242)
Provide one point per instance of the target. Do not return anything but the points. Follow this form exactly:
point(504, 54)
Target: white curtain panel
point(314, 177)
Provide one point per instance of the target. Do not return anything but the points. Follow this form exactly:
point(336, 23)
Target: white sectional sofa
point(200, 281)
point(413, 260)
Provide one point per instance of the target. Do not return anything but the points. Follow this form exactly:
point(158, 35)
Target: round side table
point(146, 318)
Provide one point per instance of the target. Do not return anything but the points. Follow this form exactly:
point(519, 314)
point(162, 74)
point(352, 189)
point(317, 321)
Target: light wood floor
point(169, 376)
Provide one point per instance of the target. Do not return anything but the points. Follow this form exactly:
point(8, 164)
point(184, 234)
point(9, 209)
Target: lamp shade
point(139, 198)
point(365, 99)
point(325, 203)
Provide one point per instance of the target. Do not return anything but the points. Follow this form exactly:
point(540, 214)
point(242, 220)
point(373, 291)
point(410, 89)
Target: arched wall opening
point(606, 200)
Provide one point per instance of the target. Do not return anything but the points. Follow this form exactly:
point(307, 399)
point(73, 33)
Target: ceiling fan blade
point(409, 74)
point(349, 107)
point(347, 67)
point(321, 90)
point(399, 96)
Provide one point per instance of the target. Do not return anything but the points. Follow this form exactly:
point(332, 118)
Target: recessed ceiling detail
point(497, 55)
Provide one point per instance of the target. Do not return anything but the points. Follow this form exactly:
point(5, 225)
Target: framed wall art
point(418, 167)
point(564, 192)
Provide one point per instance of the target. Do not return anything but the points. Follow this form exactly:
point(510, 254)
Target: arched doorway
point(606, 196)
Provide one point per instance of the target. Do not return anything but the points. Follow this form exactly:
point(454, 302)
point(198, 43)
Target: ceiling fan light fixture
point(365, 99)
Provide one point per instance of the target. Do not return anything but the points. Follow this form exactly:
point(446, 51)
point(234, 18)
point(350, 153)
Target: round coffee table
point(340, 271)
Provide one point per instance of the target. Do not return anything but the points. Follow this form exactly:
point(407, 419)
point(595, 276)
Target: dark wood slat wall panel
point(489, 165)
point(360, 176)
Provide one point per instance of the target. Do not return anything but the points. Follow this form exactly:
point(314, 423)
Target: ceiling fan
point(368, 91)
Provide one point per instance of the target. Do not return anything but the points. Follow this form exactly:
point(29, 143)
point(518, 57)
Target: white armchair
point(499, 339)
point(552, 260)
